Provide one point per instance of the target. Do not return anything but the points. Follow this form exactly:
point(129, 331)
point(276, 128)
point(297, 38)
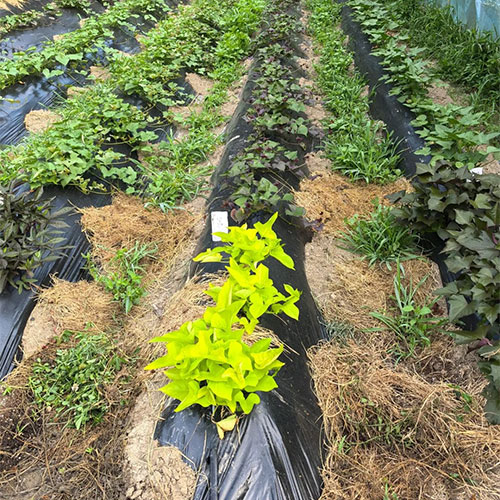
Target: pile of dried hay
point(11, 3)
point(330, 198)
point(126, 221)
point(393, 433)
point(346, 288)
point(80, 305)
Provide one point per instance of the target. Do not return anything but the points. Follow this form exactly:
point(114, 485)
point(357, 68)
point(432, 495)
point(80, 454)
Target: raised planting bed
point(252, 317)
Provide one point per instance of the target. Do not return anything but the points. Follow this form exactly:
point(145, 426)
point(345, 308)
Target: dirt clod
point(40, 120)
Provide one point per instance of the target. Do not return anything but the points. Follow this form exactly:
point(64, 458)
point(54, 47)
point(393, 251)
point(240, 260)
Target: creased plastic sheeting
point(276, 452)
point(483, 15)
point(16, 308)
point(23, 39)
point(398, 119)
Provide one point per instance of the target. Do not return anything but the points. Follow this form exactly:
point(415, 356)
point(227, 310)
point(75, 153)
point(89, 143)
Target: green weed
point(464, 56)
point(73, 384)
point(340, 330)
point(124, 278)
point(379, 238)
point(412, 323)
point(362, 151)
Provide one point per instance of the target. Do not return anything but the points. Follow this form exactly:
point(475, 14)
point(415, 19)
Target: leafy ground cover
point(74, 46)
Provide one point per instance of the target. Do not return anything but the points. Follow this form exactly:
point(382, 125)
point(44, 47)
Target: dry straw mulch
point(11, 3)
point(346, 288)
point(330, 198)
point(126, 221)
point(80, 305)
point(391, 431)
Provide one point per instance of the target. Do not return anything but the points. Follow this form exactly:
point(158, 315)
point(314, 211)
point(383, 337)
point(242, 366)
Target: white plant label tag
point(220, 224)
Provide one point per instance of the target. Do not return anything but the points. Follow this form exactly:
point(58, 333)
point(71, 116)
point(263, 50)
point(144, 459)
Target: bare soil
point(153, 472)
point(439, 93)
point(200, 85)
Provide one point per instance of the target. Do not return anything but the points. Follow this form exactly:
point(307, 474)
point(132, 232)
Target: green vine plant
point(211, 361)
point(31, 18)
point(73, 47)
point(464, 210)
point(279, 130)
point(78, 150)
point(453, 133)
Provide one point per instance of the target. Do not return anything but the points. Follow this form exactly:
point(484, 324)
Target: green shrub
point(29, 234)
point(207, 360)
point(464, 210)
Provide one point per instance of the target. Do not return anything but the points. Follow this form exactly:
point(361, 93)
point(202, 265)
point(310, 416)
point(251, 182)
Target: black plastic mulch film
point(39, 93)
point(276, 452)
point(398, 118)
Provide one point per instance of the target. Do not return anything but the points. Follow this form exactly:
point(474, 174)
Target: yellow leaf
point(220, 432)
point(226, 425)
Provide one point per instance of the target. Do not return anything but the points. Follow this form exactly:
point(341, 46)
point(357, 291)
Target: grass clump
point(72, 385)
point(175, 168)
point(379, 238)
point(124, 275)
point(411, 322)
point(363, 151)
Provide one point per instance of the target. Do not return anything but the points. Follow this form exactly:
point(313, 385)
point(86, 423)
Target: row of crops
point(310, 348)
